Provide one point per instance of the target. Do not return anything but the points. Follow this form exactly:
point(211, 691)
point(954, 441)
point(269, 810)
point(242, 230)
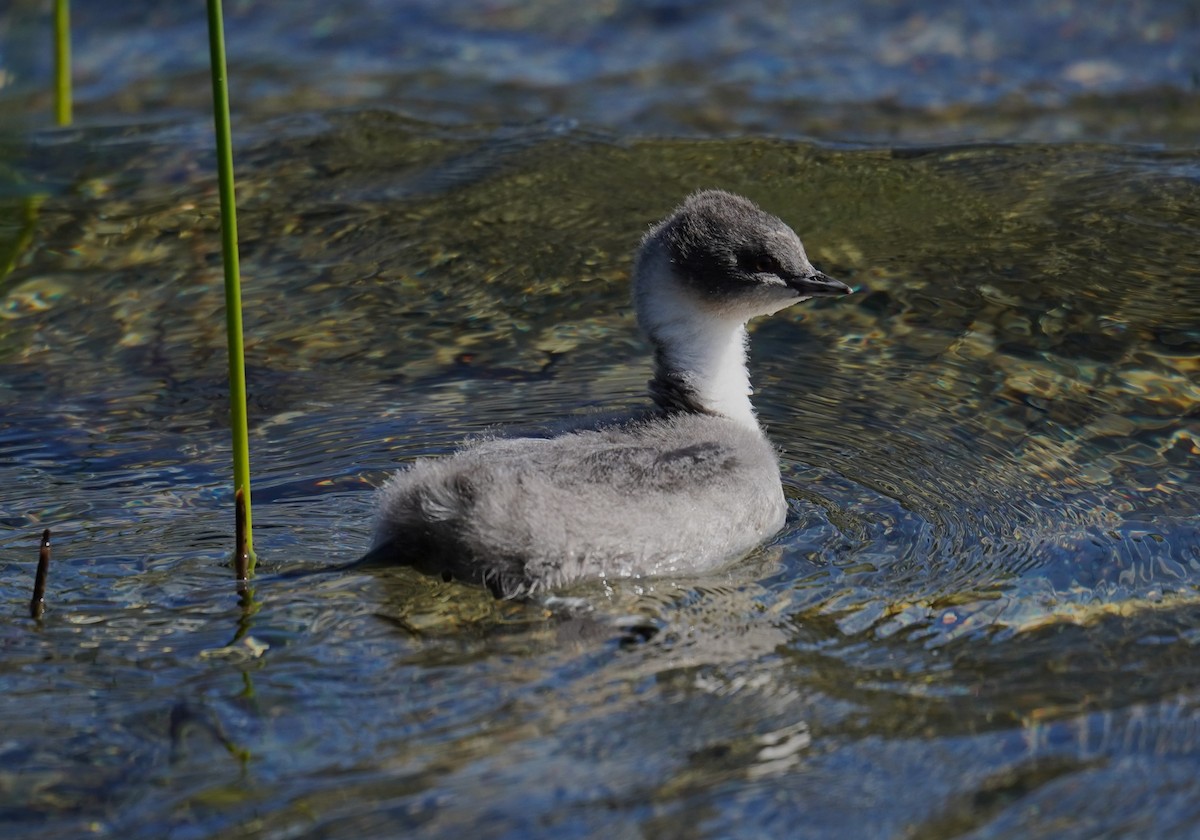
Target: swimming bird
point(691, 484)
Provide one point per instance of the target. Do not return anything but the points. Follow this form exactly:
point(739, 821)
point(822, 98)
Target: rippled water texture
point(981, 620)
point(890, 71)
point(981, 615)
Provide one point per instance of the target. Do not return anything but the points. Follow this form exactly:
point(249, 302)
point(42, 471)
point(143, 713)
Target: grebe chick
point(689, 486)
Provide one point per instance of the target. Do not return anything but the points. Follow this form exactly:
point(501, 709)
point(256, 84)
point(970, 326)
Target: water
point(980, 621)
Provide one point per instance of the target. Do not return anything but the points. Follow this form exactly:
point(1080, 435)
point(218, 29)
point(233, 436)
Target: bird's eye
point(764, 264)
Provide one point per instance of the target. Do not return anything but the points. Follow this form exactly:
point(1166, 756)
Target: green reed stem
point(10, 253)
point(233, 292)
point(62, 62)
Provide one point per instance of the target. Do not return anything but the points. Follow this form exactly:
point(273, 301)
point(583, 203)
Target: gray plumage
point(685, 489)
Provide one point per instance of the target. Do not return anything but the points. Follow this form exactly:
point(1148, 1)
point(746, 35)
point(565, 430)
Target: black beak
point(818, 285)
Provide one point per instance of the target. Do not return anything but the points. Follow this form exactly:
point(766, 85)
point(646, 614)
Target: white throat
point(699, 344)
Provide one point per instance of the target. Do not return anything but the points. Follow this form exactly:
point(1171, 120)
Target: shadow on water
point(980, 620)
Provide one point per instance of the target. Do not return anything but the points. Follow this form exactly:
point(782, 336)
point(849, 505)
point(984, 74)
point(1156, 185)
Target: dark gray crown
point(722, 244)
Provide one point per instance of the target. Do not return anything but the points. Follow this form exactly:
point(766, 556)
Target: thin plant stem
point(241, 556)
point(10, 256)
point(37, 604)
point(233, 293)
point(62, 61)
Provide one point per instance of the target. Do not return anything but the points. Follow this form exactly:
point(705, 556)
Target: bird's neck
point(704, 370)
point(699, 354)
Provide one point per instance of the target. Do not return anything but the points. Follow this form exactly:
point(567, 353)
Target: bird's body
point(692, 485)
point(524, 514)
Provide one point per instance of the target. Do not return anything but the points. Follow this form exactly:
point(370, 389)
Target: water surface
point(982, 617)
